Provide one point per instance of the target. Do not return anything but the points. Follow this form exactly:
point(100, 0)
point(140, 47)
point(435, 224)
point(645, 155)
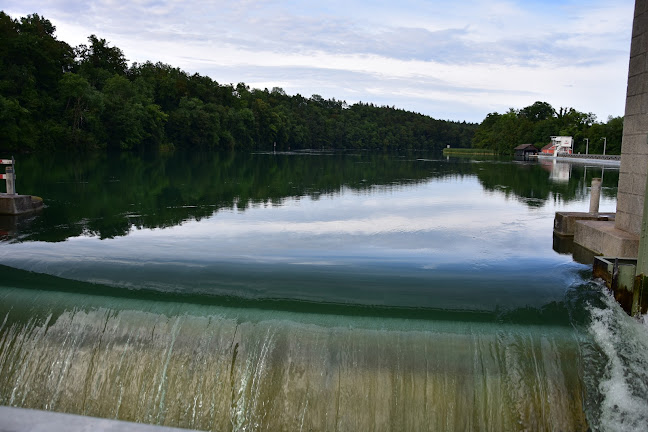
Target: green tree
point(83, 106)
point(538, 111)
point(98, 62)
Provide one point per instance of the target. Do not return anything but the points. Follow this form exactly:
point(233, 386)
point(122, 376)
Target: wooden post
point(595, 195)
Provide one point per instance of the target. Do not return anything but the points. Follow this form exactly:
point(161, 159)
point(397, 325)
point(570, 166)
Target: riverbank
point(468, 152)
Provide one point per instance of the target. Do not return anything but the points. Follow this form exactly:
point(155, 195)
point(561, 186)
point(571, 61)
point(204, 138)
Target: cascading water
point(214, 368)
point(617, 368)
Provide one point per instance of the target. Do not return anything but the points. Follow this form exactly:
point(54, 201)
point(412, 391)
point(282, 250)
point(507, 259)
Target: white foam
point(624, 388)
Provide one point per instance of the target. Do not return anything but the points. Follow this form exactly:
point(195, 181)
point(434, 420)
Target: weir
point(213, 368)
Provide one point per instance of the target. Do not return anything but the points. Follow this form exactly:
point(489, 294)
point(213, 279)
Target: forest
point(536, 123)
point(54, 97)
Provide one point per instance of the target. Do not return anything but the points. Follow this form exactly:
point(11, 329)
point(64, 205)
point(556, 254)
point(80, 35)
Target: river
point(312, 291)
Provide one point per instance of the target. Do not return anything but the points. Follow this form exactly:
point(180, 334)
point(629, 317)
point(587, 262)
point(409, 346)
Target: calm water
point(312, 291)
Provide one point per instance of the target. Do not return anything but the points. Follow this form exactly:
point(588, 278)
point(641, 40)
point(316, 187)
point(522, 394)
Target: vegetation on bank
point(536, 123)
point(56, 97)
point(468, 152)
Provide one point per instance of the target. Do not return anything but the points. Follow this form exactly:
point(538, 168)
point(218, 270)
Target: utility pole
point(586, 145)
point(604, 144)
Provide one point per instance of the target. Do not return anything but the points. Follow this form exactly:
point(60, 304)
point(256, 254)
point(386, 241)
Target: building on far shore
point(558, 145)
point(523, 151)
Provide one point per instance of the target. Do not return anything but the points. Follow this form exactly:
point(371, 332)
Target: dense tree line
point(536, 123)
point(56, 97)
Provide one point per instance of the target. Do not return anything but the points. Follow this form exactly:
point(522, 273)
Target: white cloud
point(449, 61)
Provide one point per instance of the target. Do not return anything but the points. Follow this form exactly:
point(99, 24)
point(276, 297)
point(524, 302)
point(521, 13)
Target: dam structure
point(620, 238)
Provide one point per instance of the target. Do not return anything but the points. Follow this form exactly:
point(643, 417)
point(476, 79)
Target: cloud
point(445, 60)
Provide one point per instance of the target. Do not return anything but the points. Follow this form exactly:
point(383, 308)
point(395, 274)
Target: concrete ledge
point(600, 160)
point(564, 222)
point(601, 237)
point(28, 420)
point(19, 204)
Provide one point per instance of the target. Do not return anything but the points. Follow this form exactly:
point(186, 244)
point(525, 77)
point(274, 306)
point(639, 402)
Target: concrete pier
point(12, 204)
point(565, 222)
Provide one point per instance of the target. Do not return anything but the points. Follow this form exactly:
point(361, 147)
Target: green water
point(301, 291)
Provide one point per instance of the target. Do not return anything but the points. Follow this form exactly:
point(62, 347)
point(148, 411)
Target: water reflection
point(558, 171)
point(108, 195)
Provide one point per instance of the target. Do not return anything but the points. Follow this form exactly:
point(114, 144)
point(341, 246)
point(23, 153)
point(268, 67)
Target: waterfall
point(214, 368)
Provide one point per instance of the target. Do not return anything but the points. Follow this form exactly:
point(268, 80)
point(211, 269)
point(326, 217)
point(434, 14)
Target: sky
point(452, 60)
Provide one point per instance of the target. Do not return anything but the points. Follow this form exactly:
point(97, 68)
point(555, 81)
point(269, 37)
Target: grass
point(468, 151)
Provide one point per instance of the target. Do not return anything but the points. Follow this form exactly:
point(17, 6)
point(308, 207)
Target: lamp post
point(586, 145)
point(604, 144)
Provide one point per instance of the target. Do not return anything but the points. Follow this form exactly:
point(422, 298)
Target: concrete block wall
point(634, 148)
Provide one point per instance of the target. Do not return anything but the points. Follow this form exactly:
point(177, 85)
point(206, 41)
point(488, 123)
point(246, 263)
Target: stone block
point(625, 162)
point(636, 85)
point(635, 45)
point(639, 44)
point(640, 24)
point(622, 220)
point(637, 65)
point(637, 104)
point(643, 101)
point(18, 204)
point(564, 221)
point(623, 200)
point(625, 182)
point(630, 124)
point(634, 204)
point(640, 7)
point(638, 186)
point(634, 144)
point(638, 164)
point(602, 237)
point(635, 123)
point(633, 104)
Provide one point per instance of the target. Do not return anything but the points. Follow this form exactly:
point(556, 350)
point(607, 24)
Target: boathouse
point(523, 151)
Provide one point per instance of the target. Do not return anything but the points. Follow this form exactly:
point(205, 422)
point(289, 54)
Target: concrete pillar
point(642, 259)
point(634, 147)
point(595, 195)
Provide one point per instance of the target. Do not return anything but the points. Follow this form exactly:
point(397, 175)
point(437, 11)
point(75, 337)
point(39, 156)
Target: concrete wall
point(634, 148)
point(27, 420)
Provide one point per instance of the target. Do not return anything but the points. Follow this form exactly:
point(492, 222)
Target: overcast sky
point(456, 60)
